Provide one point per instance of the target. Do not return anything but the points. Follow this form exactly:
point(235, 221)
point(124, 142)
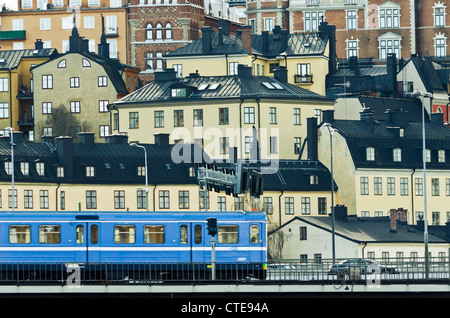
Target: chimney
point(284, 35)
point(393, 220)
point(225, 25)
point(38, 44)
point(447, 229)
point(64, 150)
point(17, 137)
point(340, 212)
point(398, 117)
point(244, 71)
point(85, 45)
point(367, 115)
point(328, 116)
point(86, 138)
point(330, 30)
point(312, 138)
point(206, 40)
point(391, 74)
point(280, 73)
point(220, 33)
point(265, 41)
point(116, 139)
point(437, 118)
point(162, 140)
point(246, 38)
point(232, 158)
point(168, 74)
point(47, 139)
point(353, 64)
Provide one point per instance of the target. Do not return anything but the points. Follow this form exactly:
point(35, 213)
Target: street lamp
point(11, 131)
point(425, 229)
point(332, 130)
point(146, 172)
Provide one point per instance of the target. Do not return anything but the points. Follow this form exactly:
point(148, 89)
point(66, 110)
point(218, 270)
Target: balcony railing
point(13, 35)
point(303, 79)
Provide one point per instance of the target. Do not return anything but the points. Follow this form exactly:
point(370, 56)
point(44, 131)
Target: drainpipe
point(240, 126)
point(10, 100)
point(56, 199)
point(154, 196)
point(412, 195)
point(279, 205)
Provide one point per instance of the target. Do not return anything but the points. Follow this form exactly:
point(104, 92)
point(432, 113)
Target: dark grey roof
point(229, 87)
point(384, 137)
point(10, 59)
point(380, 105)
point(427, 73)
point(373, 229)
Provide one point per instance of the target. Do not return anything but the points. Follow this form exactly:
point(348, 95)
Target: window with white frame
point(389, 43)
point(440, 46)
point(312, 19)
point(67, 23)
point(45, 24)
point(352, 48)
point(17, 24)
point(351, 18)
point(439, 15)
point(4, 110)
point(4, 87)
point(89, 22)
point(269, 24)
point(389, 15)
point(397, 155)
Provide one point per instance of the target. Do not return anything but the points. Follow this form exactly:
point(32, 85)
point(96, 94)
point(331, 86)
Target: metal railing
point(280, 271)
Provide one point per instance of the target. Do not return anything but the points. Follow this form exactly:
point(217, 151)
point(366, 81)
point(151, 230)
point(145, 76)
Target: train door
point(198, 242)
point(256, 242)
point(93, 250)
point(87, 242)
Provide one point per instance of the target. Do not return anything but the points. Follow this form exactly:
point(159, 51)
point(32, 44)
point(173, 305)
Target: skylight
point(277, 86)
point(268, 85)
point(214, 86)
point(203, 87)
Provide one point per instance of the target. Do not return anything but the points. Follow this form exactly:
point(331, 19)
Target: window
point(4, 110)
point(27, 4)
point(377, 186)
point(312, 20)
point(103, 131)
point(297, 118)
point(164, 202)
point(223, 116)
point(168, 31)
point(111, 24)
point(102, 81)
point(103, 106)
point(289, 205)
point(124, 234)
point(134, 120)
point(4, 87)
point(179, 92)
point(249, 115)
point(370, 154)
point(119, 199)
point(10, 198)
point(63, 200)
point(228, 234)
point(254, 234)
point(178, 69)
point(273, 144)
point(351, 20)
point(303, 233)
point(149, 31)
point(43, 199)
point(204, 200)
point(434, 186)
point(86, 63)
point(221, 203)
point(17, 24)
point(322, 205)
point(159, 118)
point(418, 185)
point(389, 45)
point(352, 48)
point(313, 179)
point(8, 167)
point(49, 234)
point(447, 187)
point(80, 234)
point(159, 31)
point(90, 171)
point(178, 119)
point(40, 168)
point(404, 186)
point(390, 186)
point(45, 24)
point(239, 204)
point(91, 199)
point(28, 199)
point(268, 205)
point(46, 108)
point(306, 206)
point(183, 199)
point(75, 107)
point(272, 115)
point(47, 81)
point(141, 199)
point(19, 234)
point(440, 46)
point(154, 234)
point(233, 68)
point(25, 168)
point(389, 18)
point(439, 15)
point(397, 155)
point(224, 145)
point(89, 22)
point(441, 156)
point(60, 172)
point(74, 82)
point(198, 117)
point(364, 185)
point(297, 145)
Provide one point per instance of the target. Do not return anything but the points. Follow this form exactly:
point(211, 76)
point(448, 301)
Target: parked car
point(366, 266)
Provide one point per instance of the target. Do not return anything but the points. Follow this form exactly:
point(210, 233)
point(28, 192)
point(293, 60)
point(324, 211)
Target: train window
point(198, 234)
point(94, 233)
point(154, 234)
point(124, 234)
point(183, 234)
point(19, 234)
point(228, 234)
point(49, 234)
point(254, 234)
point(80, 234)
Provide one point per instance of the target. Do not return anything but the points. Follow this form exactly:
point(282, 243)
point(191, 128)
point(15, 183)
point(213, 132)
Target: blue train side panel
point(127, 237)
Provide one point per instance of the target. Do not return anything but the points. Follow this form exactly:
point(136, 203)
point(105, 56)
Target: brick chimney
point(246, 36)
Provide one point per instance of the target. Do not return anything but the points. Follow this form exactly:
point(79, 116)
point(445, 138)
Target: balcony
point(24, 93)
point(303, 79)
point(13, 35)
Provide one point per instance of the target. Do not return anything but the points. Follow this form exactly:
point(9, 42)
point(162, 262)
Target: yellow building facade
point(52, 22)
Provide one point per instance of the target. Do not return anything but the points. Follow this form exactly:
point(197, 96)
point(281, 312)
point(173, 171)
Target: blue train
point(134, 237)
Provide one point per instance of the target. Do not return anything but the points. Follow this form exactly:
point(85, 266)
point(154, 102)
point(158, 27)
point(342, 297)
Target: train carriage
point(94, 239)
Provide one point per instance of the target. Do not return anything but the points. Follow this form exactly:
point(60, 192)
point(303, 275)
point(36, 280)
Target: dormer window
point(427, 155)
point(313, 179)
point(90, 171)
point(8, 167)
point(60, 172)
point(178, 92)
point(441, 155)
point(397, 154)
point(40, 168)
point(25, 168)
point(141, 171)
point(370, 154)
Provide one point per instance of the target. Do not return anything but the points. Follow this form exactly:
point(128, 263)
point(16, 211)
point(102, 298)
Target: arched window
point(159, 30)
point(149, 30)
point(168, 31)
